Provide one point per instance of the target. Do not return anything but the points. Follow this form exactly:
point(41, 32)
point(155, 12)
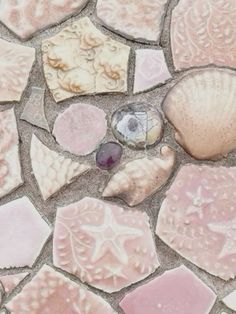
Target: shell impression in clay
point(142, 177)
point(202, 108)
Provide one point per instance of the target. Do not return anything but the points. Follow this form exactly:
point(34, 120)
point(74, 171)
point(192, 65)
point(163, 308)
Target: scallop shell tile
point(203, 32)
point(202, 109)
point(103, 244)
point(81, 60)
point(198, 216)
point(140, 178)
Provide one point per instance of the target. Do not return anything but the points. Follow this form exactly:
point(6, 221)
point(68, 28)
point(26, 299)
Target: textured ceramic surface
point(130, 184)
point(202, 108)
point(52, 170)
point(150, 69)
point(103, 244)
point(178, 291)
point(25, 17)
point(15, 65)
point(9, 282)
point(138, 19)
point(84, 62)
point(203, 32)
point(80, 128)
point(50, 292)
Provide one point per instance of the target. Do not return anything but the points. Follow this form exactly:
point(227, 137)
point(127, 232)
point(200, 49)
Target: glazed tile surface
point(203, 32)
point(22, 233)
point(197, 218)
point(177, 291)
point(10, 168)
point(15, 65)
point(50, 292)
point(103, 244)
point(51, 169)
point(80, 128)
point(150, 69)
point(138, 19)
point(25, 17)
point(9, 282)
point(230, 300)
point(84, 62)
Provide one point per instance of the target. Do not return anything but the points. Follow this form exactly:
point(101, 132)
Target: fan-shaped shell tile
point(202, 108)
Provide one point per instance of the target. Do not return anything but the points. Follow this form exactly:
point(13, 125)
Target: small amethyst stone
point(109, 155)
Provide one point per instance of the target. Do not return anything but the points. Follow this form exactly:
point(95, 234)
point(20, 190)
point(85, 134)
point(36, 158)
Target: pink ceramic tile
point(51, 169)
point(80, 128)
point(9, 282)
point(198, 218)
point(15, 65)
point(103, 244)
point(203, 32)
point(177, 291)
point(49, 292)
point(25, 17)
point(138, 19)
point(22, 233)
point(150, 69)
point(10, 168)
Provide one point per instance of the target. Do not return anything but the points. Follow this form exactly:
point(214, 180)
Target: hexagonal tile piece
point(25, 17)
point(22, 233)
point(103, 244)
point(198, 217)
point(177, 291)
point(84, 62)
point(9, 282)
point(203, 32)
point(10, 168)
point(51, 292)
point(15, 65)
point(138, 19)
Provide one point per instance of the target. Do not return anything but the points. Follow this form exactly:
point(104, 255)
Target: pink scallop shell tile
point(177, 291)
point(198, 218)
point(103, 244)
point(10, 282)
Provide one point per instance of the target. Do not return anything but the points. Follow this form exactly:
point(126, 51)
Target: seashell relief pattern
point(117, 157)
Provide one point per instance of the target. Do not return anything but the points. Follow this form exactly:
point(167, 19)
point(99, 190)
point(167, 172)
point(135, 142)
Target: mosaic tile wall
point(117, 161)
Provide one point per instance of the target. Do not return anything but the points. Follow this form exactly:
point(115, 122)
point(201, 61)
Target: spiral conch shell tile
point(202, 108)
point(142, 177)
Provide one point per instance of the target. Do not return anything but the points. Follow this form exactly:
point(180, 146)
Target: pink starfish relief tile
point(25, 17)
point(23, 233)
point(150, 69)
point(10, 168)
point(50, 292)
point(177, 291)
point(198, 218)
point(15, 65)
point(9, 282)
point(203, 32)
point(103, 244)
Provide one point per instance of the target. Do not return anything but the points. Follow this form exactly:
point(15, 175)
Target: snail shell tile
point(202, 109)
point(142, 177)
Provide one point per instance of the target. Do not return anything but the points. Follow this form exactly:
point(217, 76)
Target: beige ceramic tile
point(80, 60)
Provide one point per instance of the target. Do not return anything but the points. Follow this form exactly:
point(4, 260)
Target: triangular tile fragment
point(51, 169)
point(230, 300)
point(9, 282)
point(34, 109)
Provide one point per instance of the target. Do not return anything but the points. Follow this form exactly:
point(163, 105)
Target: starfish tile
point(203, 32)
point(51, 169)
point(51, 292)
point(84, 62)
point(137, 19)
point(15, 65)
point(23, 233)
point(25, 17)
point(198, 218)
point(34, 109)
point(177, 291)
point(150, 69)
point(10, 282)
point(10, 168)
point(103, 244)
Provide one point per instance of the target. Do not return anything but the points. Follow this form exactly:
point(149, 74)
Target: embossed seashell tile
point(117, 156)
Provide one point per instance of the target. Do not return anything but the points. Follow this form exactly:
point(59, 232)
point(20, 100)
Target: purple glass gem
point(109, 155)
